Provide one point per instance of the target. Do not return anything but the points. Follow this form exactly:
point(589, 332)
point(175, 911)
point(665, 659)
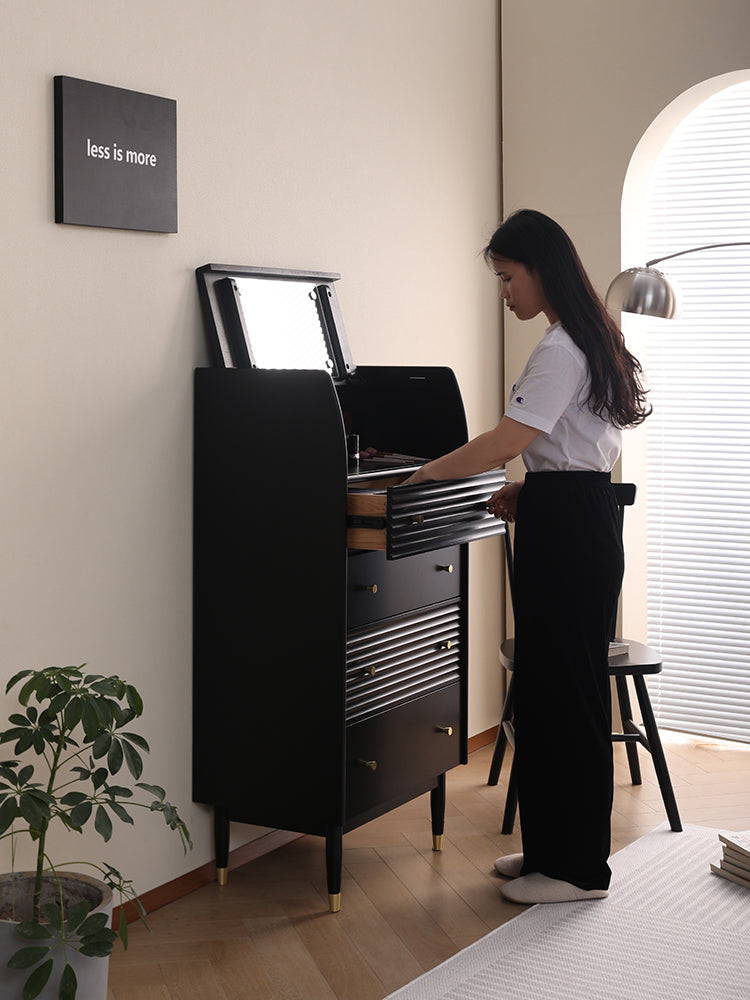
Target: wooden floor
point(268, 933)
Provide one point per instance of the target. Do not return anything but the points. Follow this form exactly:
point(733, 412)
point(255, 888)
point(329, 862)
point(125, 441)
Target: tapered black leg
point(502, 740)
point(657, 753)
point(334, 859)
point(221, 843)
point(437, 810)
point(626, 715)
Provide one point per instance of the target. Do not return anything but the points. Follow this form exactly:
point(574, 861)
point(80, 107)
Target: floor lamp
point(648, 291)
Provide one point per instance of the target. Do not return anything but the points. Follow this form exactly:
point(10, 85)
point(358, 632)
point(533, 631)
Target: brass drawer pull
point(445, 569)
point(448, 730)
point(371, 764)
point(371, 588)
point(369, 672)
point(418, 519)
point(445, 644)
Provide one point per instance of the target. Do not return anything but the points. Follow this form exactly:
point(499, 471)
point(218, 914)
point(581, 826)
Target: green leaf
point(58, 703)
point(32, 930)
point(81, 814)
point(16, 678)
point(138, 740)
point(26, 957)
point(108, 686)
point(25, 774)
point(8, 812)
point(103, 823)
point(101, 745)
point(154, 789)
point(114, 757)
point(77, 914)
point(37, 980)
point(90, 719)
point(68, 984)
point(99, 776)
point(73, 798)
point(26, 740)
point(133, 760)
point(121, 812)
point(134, 699)
point(119, 792)
point(99, 947)
point(93, 925)
point(19, 720)
point(72, 715)
point(122, 929)
point(32, 811)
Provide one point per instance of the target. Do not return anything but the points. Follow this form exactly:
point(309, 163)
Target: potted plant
point(71, 739)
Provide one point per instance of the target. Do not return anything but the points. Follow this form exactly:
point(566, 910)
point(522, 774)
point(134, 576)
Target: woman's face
point(522, 290)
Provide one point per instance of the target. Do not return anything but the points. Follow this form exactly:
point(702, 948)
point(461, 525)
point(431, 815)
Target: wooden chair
point(637, 662)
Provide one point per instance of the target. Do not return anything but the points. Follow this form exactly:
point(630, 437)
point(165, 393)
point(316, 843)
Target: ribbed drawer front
point(433, 515)
point(394, 753)
point(394, 661)
point(379, 588)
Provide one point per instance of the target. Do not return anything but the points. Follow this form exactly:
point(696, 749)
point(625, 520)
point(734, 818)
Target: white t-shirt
point(551, 396)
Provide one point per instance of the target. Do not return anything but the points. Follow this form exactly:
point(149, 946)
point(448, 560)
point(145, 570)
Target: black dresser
point(330, 602)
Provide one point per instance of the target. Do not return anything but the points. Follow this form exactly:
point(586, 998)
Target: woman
point(579, 388)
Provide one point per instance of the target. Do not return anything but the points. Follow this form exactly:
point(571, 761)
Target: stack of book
point(735, 863)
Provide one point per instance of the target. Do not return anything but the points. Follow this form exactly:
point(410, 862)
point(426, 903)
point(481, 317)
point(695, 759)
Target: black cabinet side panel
point(269, 596)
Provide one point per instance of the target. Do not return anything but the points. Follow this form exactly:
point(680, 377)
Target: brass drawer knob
point(445, 644)
point(445, 569)
point(369, 671)
point(448, 730)
point(370, 588)
point(418, 519)
point(371, 764)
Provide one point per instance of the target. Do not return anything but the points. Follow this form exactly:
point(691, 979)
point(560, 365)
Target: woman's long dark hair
point(541, 245)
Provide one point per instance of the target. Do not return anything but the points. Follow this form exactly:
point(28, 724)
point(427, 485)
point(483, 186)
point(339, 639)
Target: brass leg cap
point(221, 875)
point(334, 901)
point(437, 841)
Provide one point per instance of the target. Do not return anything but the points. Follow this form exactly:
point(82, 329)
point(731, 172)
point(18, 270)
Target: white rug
point(669, 930)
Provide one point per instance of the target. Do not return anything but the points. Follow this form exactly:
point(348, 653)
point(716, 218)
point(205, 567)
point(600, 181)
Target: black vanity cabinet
point(330, 602)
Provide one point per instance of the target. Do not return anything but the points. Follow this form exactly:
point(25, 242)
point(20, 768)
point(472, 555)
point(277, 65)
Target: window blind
point(698, 437)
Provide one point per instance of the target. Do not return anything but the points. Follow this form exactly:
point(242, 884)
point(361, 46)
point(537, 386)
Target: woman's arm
point(483, 453)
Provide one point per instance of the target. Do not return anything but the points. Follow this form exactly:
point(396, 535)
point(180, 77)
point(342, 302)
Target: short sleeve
point(551, 381)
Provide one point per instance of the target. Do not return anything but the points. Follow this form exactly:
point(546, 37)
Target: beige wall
point(358, 137)
point(583, 80)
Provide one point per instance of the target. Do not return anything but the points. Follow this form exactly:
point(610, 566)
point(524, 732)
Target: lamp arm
point(711, 246)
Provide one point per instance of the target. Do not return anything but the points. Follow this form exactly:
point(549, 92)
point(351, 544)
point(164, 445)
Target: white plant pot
point(91, 973)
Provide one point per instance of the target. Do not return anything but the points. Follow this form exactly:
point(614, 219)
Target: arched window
point(697, 442)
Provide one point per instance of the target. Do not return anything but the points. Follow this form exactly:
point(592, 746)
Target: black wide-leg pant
point(568, 574)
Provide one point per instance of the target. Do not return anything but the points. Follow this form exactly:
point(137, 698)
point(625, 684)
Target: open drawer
point(405, 520)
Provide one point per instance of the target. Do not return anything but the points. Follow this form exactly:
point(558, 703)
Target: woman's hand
point(503, 503)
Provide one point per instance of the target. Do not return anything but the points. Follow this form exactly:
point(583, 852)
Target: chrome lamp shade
point(650, 292)
point(646, 291)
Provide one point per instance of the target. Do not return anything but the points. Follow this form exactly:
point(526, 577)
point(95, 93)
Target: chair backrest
point(625, 497)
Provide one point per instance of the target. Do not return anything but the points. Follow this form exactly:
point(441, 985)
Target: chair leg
point(626, 717)
point(501, 741)
point(511, 800)
point(657, 753)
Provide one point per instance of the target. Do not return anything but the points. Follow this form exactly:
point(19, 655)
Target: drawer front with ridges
point(379, 588)
point(395, 661)
point(391, 753)
point(405, 520)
